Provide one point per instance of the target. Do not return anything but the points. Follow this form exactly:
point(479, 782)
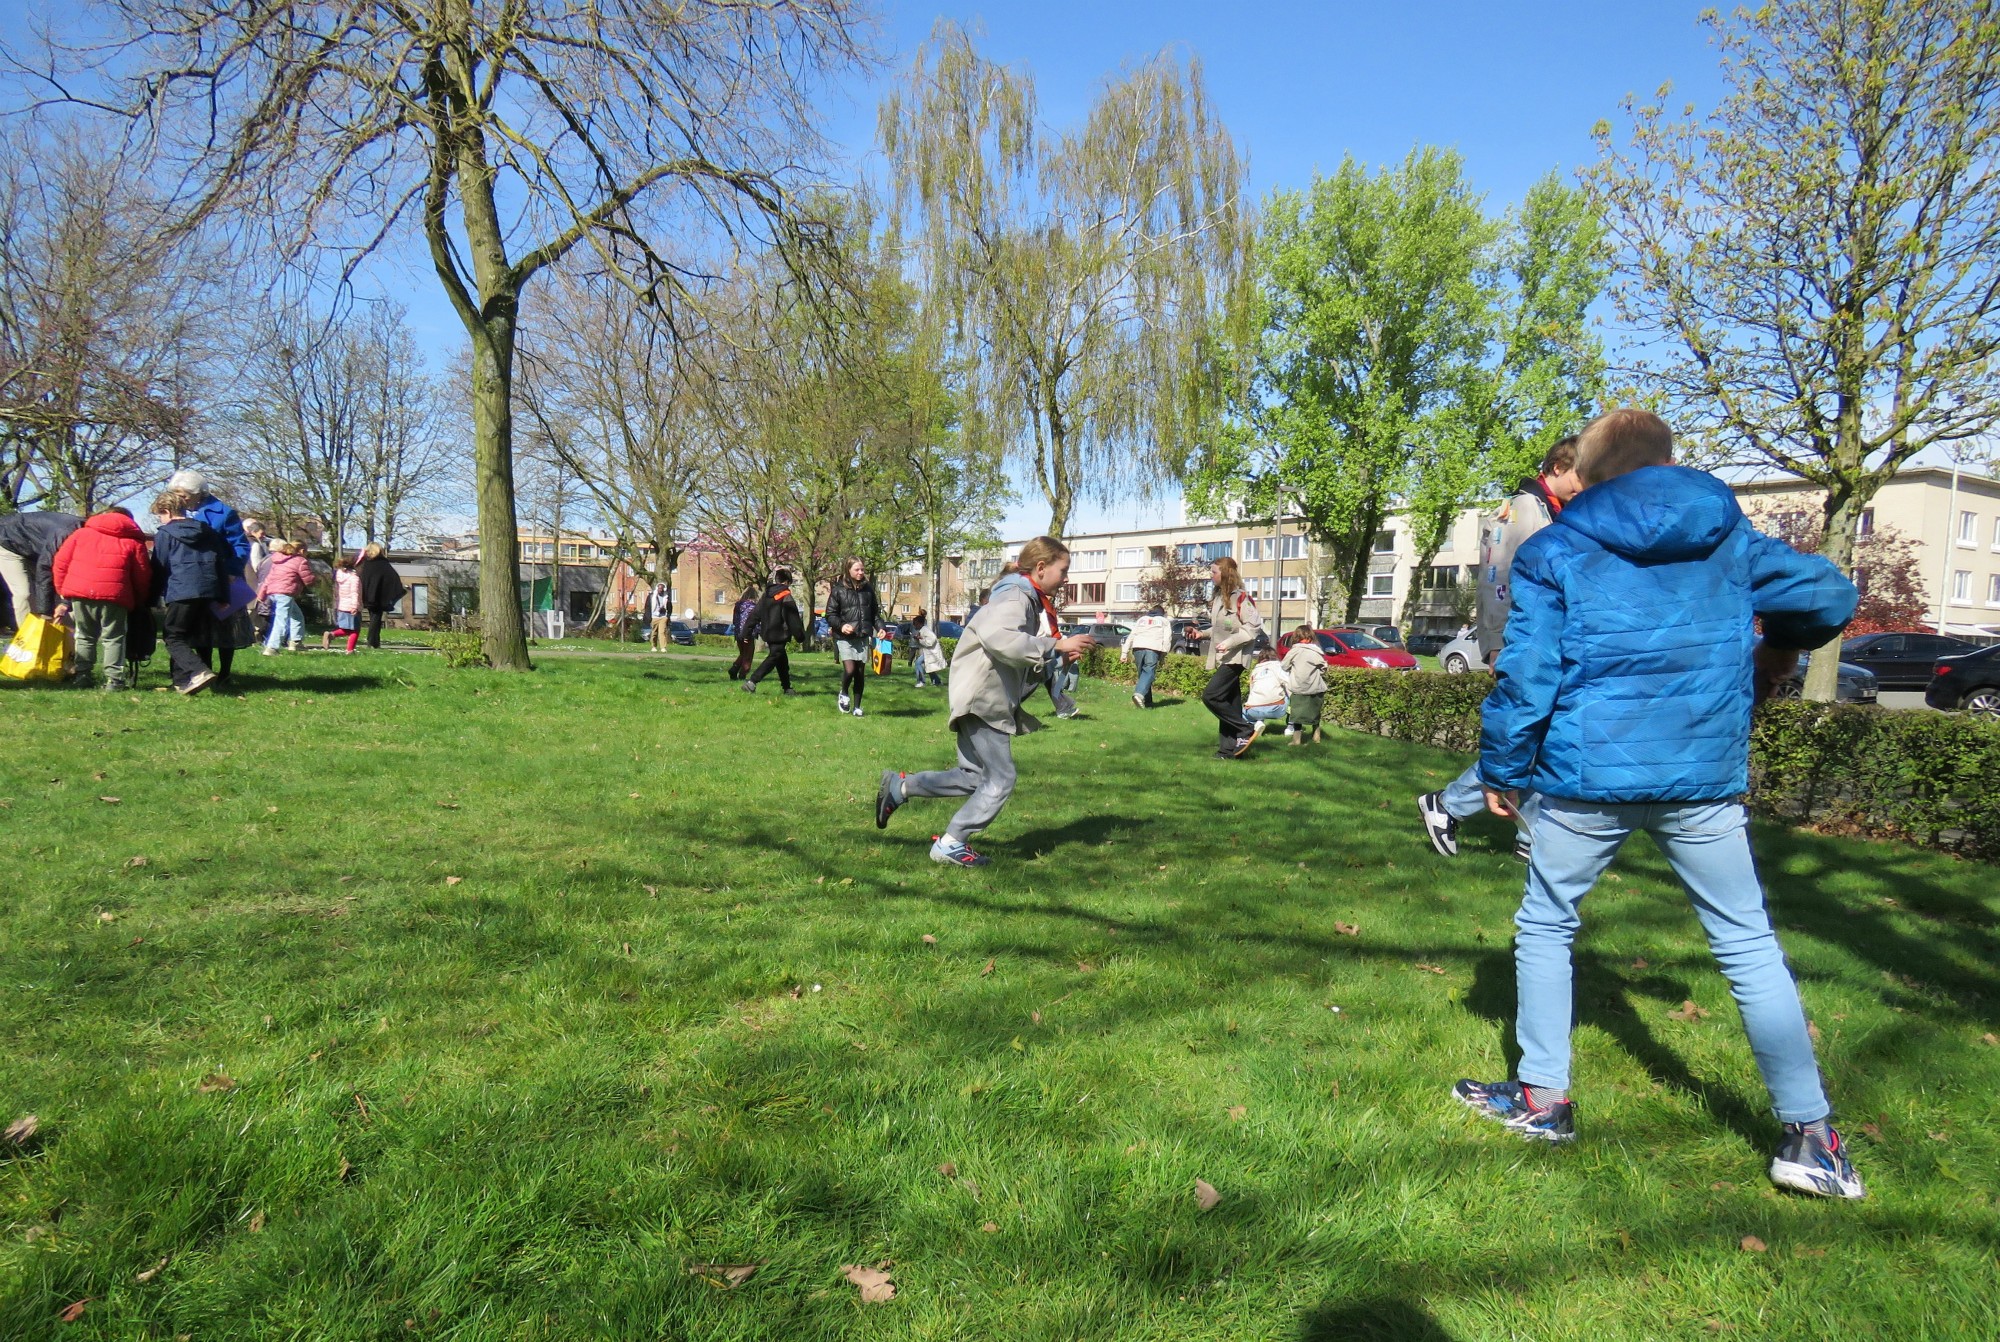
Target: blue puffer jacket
point(223, 520)
point(1626, 675)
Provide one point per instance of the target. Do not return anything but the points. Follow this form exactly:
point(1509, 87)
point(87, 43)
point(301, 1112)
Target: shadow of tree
point(1377, 1319)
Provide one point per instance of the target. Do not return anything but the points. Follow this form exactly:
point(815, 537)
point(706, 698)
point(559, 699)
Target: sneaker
point(1241, 748)
point(270, 652)
point(844, 705)
point(790, 694)
point(1507, 1102)
point(198, 682)
point(1439, 823)
point(857, 710)
point(1290, 730)
point(1258, 728)
point(1805, 1164)
point(886, 800)
point(948, 850)
point(1139, 699)
point(749, 687)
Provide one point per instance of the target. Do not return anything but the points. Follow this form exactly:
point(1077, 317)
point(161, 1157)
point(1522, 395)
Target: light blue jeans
point(1149, 666)
point(1708, 846)
point(287, 625)
point(1267, 713)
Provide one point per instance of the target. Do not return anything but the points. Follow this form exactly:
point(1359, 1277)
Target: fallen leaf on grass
point(948, 1170)
point(988, 970)
point(271, 810)
point(107, 917)
point(113, 801)
point(876, 1287)
point(448, 805)
point(797, 992)
point(1751, 1244)
point(991, 1228)
point(1990, 1039)
point(100, 775)
point(344, 1170)
point(1085, 967)
point(1640, 963)
point(1870, 1131)
point(1431, 969)
point(929, 940)
point(633, 796)
point(1688, 1011)
point(74, 1310)
point(135, 862)
point(453, 880)
point(213, 1082)
point(1812, 1031)
point(652, 890)
point(1237, 1113)
point(22, 1130)
point(150, 1273)
point(1938, 1136)
point(1205, 1196)
point(257, 1224)
point(214, 796)
point(1346, 929)
point(1034, 1017)
point(724, 1276)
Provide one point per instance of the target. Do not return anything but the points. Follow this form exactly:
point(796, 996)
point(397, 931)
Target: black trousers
point(775, 658)
point(746, 653)
point(189, 633)
point(1224, 698)
point(374, 626)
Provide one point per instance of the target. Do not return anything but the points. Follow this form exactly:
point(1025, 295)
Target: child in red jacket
point(102, 573)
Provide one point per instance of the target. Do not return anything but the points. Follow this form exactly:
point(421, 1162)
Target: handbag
point(883, 657)
point(41, 650)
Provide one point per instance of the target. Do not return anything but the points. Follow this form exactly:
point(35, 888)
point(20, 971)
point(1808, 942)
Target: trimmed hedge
point(1925, 778)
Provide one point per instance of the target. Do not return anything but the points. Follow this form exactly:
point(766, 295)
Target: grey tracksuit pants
point(984, 776)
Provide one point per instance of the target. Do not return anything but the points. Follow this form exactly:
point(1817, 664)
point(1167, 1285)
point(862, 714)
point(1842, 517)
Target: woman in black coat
point(381, 588)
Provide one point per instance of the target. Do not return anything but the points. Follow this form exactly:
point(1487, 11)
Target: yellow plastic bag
point(40, 651)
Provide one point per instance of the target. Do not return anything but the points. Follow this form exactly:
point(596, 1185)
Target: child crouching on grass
point(1623, 698)
point(1264, 699)
point(1305, 685)
point(1004, 653)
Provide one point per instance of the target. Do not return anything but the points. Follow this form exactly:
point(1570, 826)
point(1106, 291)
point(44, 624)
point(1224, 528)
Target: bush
point(717, 642)
point(460, 648)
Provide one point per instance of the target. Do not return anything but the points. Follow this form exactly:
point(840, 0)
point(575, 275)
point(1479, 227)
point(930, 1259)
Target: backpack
point(1261, 643)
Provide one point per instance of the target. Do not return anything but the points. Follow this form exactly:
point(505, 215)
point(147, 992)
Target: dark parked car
point(1427, 645)
point(1970, 682)
point(1857, 684)
point(1903, 661)
point(1185, 640)
point(1387, 634)
point(681, 632)
point(722, 627)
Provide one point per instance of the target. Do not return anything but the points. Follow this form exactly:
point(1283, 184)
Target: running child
point(1002, 655)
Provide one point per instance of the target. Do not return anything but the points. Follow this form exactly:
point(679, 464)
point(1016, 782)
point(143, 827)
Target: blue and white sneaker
point(1806, 1164)
point(888, 797)
point(1507, 1102)
point(953, 852)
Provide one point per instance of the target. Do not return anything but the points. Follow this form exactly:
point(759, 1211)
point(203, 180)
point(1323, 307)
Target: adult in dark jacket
point(28, 545)
point(238, 630)
point(191, 568)
point(381, 588)
point(777, 621)
point(855, 614)
point(746, 642)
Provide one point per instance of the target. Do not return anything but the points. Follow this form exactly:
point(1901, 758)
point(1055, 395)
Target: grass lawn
point(388, 1001)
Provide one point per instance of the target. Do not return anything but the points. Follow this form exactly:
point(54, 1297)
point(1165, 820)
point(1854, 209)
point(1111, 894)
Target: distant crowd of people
point(201, 584)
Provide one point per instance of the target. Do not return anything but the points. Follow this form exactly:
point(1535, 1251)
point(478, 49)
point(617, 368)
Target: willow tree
point(509, 132)
point(1815, 258)
point(1085, 270)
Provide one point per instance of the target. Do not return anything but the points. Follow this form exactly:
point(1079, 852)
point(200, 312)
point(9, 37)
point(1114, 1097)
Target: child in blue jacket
point(1623, 698)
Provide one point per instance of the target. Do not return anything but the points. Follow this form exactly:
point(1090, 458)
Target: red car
point(1349, 647)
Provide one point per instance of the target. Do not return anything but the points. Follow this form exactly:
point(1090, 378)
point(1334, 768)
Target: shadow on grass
point(1383, 1319)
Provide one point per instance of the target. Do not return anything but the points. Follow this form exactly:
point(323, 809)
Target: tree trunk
point(1843, 513)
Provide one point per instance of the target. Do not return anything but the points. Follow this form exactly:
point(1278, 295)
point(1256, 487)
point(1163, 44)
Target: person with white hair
point(237, 631)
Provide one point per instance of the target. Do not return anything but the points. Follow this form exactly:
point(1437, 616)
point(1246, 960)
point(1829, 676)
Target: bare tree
point(510, 131)
point(100, 322)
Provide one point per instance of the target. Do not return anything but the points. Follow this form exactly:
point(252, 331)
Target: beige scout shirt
point(1000, 658)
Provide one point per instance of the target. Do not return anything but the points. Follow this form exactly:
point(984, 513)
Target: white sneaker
point(843, 703)
point(200, 681)
point(857, 712)
point(1290, 730)
point(1139, 699)
point(270, 652)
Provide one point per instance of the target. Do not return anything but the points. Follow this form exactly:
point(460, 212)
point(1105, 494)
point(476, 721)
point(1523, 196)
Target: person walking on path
point(191, 572)
point(1147, 645)
point(237, 629)
point(102, 573)
point(381, 588)
point(660, 617)
point(928, 659)
point(855, 614)
point(1538, 501)
point(1001, 657)
point(1623, 697)
point(777, 621)
point(1236, 634)
point(28, 545)
point(288, 576)
point(746, 643)
point(346, 605)
point(1305, 686)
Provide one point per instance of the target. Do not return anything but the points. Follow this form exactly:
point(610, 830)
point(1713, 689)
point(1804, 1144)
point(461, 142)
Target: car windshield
point(1359, 641)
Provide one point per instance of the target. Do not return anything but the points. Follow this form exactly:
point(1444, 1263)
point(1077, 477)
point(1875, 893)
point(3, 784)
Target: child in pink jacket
point(346, 604)
point(287, 576)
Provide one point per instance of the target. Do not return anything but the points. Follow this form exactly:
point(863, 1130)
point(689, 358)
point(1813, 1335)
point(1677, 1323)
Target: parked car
point(1857, 685)
point(1347, 647)
point(1426, 645)
point(681, 632)
point(1185, 640)
point(1970, 682)
point(1107, 635)
point(1905, 660)
point(1387, 634)
point(948, 629)
point(722, 627)
point(1461, 655)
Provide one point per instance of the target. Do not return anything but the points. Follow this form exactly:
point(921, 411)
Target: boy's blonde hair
point(372, 550)
point(1619, 442)
point(1039, 551)
point(172, 503)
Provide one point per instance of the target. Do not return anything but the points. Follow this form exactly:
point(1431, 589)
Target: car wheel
point(1456, 664)
point(1983, 703)
point(1789, 689)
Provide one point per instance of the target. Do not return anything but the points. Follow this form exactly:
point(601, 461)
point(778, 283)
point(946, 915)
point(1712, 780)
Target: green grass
point(677, 1008)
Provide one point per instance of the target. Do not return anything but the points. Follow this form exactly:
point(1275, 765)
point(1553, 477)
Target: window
point(1446, 543)
point(1128, 591)
point(1993, 590)
point(1961, 588)
point(1093, 592)
point(1132, 556)
point(463, 600)
point(1158, 553)
point(1996, 533)
point(1253, 549)
point(902, 588)
point(1291, 589)
point(1068, 594)
point(568, 550)
point(1441, 578)
point(1382, 584)
point(1291, 547)
point(420, 600)
point(1204, 552)
point(1385, 542)
point(1089, 561)
point(1865, 526)
point(721, 597)
point(1968, 528)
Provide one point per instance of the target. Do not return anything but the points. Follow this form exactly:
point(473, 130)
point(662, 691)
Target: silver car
point(1461, 655)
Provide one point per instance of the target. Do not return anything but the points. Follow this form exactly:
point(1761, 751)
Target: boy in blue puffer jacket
point(1623, 698)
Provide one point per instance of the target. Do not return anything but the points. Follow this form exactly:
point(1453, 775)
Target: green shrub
point(1179, 673)
point(460, 647)
point(717, 642)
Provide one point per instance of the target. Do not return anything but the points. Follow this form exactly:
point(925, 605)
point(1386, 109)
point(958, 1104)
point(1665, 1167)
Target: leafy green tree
point(1814, 259)
point(1084, 270)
